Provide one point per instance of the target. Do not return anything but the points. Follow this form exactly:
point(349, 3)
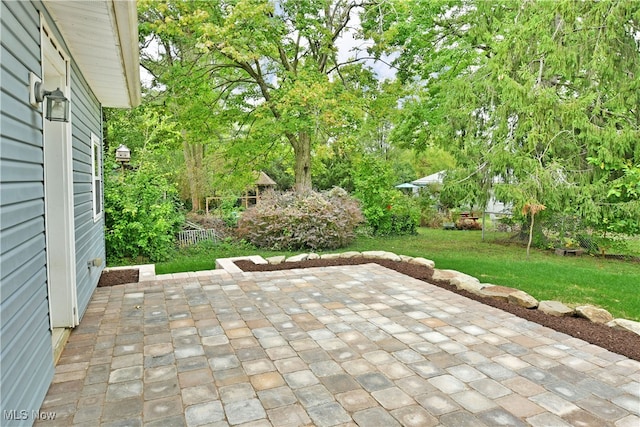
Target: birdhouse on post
point(123, 154)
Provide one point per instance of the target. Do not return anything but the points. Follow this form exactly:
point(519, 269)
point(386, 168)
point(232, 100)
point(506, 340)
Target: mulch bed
point(618, 341)
point(119, 277)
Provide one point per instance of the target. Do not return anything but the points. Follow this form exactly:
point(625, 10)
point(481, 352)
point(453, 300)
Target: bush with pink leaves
point(293, 221)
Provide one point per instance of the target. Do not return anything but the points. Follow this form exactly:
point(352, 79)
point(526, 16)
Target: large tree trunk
point(193, 159)
point(302, 150)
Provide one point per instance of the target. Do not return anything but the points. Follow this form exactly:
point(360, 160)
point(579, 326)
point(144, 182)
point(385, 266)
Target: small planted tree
point(531, 209)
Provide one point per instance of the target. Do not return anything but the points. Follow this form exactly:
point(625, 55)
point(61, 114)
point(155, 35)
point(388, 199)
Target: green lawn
point(611, 284)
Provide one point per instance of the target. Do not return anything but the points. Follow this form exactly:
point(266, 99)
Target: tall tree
point(544, 95)
point(272, 67)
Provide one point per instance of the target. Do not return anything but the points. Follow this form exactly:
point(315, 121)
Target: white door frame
point(58, 188)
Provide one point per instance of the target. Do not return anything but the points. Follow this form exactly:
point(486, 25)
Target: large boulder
point(625, 324)
point(555, 308)
point(373, 254)
point(406, 258)
point(498, 292)
point(443, 277)
point(422, 261)
point(459, 280)
point(523, 299)
point(465, 282)
point(594, 314)
point(296, 258)
point(350, 254)
point(381, 255)
point(275, 260)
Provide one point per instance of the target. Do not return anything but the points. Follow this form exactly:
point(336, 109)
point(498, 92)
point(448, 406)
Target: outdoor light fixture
point(123, 154)
point(57, 108)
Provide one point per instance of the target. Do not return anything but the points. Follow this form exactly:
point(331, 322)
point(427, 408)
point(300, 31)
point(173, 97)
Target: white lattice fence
point(191, 237)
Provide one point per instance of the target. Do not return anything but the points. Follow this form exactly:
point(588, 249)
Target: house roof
point(102, 36)
point(435, 178)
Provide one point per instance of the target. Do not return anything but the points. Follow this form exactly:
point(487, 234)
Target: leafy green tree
point(623, 194)
point(264, 73)
point(537, 100)
point(186, 95)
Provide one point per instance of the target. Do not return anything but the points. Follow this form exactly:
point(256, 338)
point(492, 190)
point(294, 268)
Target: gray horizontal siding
point(12, 171)
point(17, 192)
point(21, 233)
point(25, 352)
point(18, 385)
point(17, 40)
point(15, 214)
point(26, 131)
point(86, 119)
point(13, 260)
point(11, 320)
point(25, 355)
point(16, 150)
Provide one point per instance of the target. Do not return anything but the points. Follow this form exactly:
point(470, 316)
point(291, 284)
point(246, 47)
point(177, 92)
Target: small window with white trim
point(96, 176)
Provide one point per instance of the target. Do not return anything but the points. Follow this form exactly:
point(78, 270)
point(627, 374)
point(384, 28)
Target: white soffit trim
point(102, 36)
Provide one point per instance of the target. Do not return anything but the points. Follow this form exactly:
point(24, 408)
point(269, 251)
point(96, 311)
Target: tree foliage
point(266, 73)
point(538, 101)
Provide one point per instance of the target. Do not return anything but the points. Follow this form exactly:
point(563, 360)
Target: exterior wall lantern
point(123, 154)
point(57, 107)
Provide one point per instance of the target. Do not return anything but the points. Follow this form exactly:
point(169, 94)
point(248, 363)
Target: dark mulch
point(618, 341)
point(118, 277)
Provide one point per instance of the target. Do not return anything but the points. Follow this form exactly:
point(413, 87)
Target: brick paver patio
point(354, 345)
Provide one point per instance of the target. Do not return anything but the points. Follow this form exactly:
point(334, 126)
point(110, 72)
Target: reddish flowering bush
point(309, 220)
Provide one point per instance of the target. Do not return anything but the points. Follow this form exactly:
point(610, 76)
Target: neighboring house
point(435, 178)
point(52, 247)
point(493, 207)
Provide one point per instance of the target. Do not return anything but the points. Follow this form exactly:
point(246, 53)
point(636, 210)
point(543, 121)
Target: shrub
point(289, 221)
point(433, 219)
point(142, 214)
point(405, 215)
point(229, 211)
point(468, 224)
point(387, 210)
